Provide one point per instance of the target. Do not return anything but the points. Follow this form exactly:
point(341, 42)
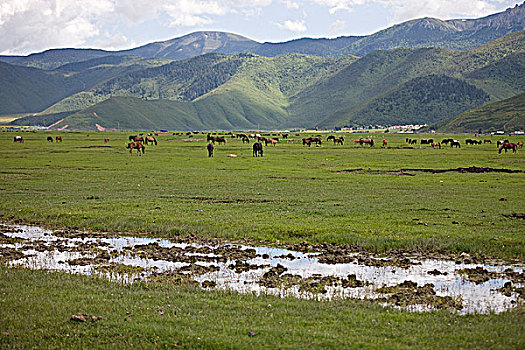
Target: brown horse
point(270, 141)
point(338, 142)
point(487, 141)
point(385, 142)
point(509, 145)
point(151, 139)
point(106, 140)
point(136, 145)
point(436, 144)
point(58, 139)
point(369, 142)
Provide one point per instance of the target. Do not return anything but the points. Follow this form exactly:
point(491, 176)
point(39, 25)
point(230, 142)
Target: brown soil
point(408, 293)
point(472, 169)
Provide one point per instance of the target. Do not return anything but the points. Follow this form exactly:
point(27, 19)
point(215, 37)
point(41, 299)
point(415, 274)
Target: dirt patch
point(508, 289)
point(408, 293)
point(85, 318)
point(472, 169)
point(479, 275)
point(315, 284)
point(9, 254)
point(239, 200)
point(515, 216)
point(102, 258)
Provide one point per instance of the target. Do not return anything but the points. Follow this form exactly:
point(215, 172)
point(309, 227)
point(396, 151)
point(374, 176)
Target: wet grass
point(37, 307)
point(294, 193)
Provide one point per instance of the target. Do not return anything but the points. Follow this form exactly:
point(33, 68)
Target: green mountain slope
point(249, 91)
point(134, 113)
point(419, 101)
point(496, 68)
point(31, 90)
point(507, 115)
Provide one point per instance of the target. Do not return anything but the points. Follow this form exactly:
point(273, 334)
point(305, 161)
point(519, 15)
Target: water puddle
point(413, 283)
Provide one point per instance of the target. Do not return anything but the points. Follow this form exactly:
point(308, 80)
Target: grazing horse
point(472, 142)
point(487, 141)
point(331, 137)
point(218, 139)
point(257, 149)
point(369, 142)
point(385, 142)
point(509, 145)
point(151, 139)
point(311, 140)
point(136, 145)
point(427, 142)
point(136, 138)
point(18, 139)
point(436, 144)
point(338, 142)
point(446, 141)
point(271, 141)
point(245, 139)
point(106, 140)
point(520, 144)
point(58, 139)
point(210, 147)
point(50, 139)
point(455, 143)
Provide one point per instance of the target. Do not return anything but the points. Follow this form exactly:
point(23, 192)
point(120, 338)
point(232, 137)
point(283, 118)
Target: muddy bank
point(462, 283)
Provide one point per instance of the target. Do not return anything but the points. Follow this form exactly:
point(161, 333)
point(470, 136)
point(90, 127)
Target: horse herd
point(138, 141)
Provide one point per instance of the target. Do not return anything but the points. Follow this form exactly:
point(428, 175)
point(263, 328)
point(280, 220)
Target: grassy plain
point(36, 308)
point(293, 193)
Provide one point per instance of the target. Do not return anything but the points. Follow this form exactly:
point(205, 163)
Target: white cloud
point(49, 23)
point(409, 9)
point(337, 26)
point(290, 4)
point(293, 26)
point(443, 9)
point(114, 42)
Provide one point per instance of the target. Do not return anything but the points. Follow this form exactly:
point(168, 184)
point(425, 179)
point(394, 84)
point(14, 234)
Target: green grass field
point(294, 193)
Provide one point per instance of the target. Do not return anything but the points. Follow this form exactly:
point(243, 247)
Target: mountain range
point(420, 71)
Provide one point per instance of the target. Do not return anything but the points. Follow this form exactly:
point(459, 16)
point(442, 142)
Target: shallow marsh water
point(419, 284)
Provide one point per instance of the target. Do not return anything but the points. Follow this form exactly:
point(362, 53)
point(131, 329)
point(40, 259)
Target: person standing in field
point(210, 149)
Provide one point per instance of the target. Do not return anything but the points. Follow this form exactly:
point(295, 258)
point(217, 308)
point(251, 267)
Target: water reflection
point(270, 270)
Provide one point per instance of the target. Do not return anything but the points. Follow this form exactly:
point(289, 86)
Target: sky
point(29, 26)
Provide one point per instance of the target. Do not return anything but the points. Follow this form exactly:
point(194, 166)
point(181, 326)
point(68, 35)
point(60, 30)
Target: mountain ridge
point(457, 34)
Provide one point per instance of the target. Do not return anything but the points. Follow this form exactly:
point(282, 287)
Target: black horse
point(210, 149)
point(455, 143)
point(257, 149)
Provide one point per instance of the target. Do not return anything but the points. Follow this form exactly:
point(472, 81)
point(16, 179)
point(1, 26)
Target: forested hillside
point(507, 115)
